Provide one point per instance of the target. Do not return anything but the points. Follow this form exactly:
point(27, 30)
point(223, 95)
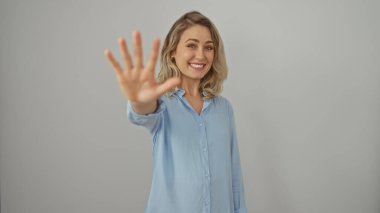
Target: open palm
point(137, 82)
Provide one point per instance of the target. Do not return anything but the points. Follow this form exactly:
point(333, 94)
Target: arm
point(237, 178)
point(150, 121)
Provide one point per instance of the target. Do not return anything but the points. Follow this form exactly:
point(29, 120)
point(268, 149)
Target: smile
point(197, 66)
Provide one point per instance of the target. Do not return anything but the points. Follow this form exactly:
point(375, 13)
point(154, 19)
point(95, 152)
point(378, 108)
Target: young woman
point(196, 165)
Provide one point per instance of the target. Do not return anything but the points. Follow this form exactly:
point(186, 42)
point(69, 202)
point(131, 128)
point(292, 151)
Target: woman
point(196, 165)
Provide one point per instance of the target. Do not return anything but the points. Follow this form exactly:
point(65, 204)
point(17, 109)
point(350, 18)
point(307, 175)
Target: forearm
point(238, 186)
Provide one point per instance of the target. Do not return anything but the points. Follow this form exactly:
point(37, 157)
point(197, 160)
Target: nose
point(200, 55)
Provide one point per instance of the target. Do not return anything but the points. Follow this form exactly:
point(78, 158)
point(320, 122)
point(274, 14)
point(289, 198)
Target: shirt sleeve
point(149, 121)
point(237, 178)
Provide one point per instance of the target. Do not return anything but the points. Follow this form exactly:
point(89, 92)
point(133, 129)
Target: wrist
point(144, 108)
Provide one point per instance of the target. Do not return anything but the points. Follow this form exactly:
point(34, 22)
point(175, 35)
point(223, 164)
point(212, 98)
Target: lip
point(197, 66)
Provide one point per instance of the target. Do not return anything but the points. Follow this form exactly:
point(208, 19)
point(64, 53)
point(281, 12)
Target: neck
point(191, 87)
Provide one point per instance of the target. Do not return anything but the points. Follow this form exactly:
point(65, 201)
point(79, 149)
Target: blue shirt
point(196, 163)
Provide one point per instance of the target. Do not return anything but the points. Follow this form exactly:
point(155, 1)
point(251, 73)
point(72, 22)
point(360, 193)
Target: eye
point(209, 48)
point(192, 46)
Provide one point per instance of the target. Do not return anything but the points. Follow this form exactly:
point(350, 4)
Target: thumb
point(167, 85)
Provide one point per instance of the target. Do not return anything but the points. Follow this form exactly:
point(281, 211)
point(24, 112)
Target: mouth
point(197, 66)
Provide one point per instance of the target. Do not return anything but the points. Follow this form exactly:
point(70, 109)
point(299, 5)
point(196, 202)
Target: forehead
point(198, 32)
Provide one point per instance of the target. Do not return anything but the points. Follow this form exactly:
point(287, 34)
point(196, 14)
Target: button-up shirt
point(196, 163)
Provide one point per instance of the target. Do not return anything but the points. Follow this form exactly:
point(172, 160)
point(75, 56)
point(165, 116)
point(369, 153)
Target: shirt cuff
point(145, 120)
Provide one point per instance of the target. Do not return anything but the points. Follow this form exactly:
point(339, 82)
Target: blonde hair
point(212, 83)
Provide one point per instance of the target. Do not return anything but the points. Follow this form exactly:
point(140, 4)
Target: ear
point(172, 56)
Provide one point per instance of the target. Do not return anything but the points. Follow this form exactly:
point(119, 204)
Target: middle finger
point(138, 50)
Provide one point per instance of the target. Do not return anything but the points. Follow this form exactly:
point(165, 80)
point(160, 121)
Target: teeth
point(197, 65)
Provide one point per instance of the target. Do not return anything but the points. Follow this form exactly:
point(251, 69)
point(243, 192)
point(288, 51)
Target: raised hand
point(137, 82)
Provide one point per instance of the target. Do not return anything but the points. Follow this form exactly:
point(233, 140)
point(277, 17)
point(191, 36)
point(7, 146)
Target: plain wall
point(304, 82)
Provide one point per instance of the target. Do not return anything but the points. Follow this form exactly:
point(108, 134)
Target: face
point(194, 53)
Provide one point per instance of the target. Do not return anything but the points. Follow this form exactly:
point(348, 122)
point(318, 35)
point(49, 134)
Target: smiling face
point(194, 54)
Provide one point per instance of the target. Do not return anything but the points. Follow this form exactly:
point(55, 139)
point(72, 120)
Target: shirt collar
point(179, 92)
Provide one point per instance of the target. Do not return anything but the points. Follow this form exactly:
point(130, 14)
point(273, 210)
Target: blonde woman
point(196, 165)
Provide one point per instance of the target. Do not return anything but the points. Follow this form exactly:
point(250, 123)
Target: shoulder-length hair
point(212, 83)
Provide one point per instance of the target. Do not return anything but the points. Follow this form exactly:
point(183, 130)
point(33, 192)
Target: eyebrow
point(196, 40)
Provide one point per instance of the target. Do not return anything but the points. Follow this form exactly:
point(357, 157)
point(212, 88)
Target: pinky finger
point(116, 66)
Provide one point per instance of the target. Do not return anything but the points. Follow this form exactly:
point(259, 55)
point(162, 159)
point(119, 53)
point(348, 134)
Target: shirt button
point(204, 149)
point(200, 124)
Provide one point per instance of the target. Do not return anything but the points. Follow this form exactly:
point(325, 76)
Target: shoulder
point(221, 100)
point(223, 104)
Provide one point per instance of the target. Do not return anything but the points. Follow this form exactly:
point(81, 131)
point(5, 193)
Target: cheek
point(210, 57)
point(184, 56)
